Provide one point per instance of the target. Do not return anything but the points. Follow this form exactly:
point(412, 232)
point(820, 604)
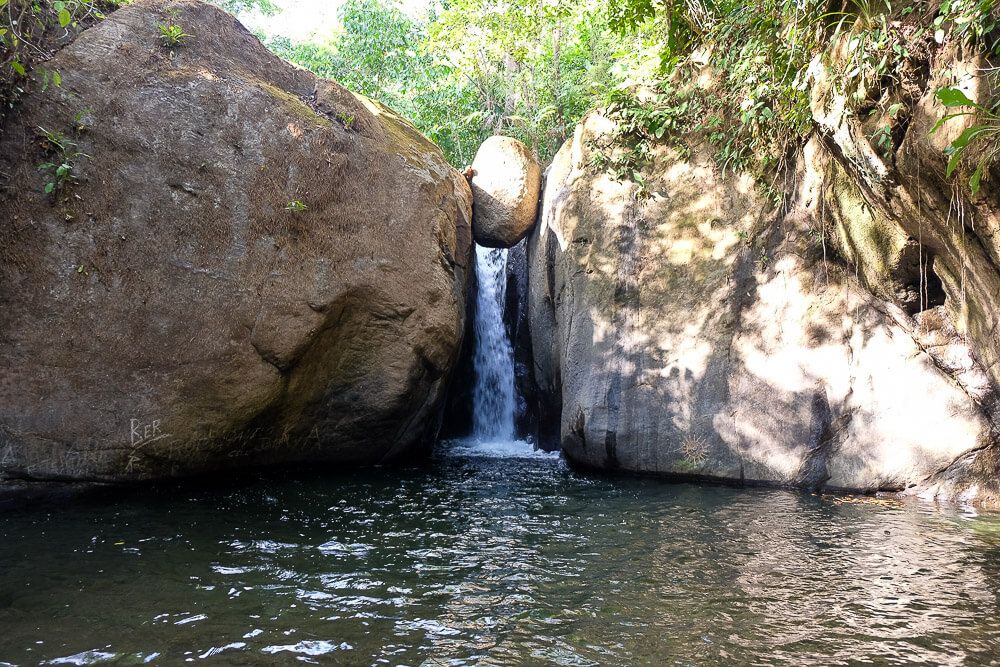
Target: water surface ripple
point(486, 560)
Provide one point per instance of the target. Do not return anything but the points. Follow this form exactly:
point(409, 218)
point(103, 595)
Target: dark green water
point(494, 561)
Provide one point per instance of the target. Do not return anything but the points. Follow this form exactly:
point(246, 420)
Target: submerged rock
point(247, 264)
point(506, 180)
point(692, 329)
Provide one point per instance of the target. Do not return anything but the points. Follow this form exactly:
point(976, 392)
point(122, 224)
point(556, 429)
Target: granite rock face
point(696, 331)
point(506, 183)
point(248, 264)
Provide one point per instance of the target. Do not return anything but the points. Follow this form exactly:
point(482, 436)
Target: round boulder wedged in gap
point(506, 183)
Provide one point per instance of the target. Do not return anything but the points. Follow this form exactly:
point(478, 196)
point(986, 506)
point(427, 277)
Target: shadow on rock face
point(700, 333)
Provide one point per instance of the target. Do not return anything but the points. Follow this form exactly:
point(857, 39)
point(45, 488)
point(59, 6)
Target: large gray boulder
point(697, 332)
point(506, 181)
point(247, 265)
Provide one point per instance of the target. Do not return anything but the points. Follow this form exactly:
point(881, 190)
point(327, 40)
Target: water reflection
point(495, 561)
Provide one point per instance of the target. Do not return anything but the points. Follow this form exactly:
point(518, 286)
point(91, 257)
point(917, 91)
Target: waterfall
point(493, 363)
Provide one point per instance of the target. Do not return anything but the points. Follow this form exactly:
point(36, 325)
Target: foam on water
point(496, 449)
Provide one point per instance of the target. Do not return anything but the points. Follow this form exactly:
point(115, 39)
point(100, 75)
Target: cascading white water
point(493, 391)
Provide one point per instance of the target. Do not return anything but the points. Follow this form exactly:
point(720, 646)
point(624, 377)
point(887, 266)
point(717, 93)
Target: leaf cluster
point(59, 170)
point(985, 133)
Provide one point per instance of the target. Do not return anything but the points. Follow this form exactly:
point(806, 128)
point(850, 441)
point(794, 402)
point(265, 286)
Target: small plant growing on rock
point(82, 120)
point(172, 34)
point(882, 139)
point(296, 206)
point(57, 175)
point(345, 118)
point(985, 133)
point(53, 140)
point(58, 171)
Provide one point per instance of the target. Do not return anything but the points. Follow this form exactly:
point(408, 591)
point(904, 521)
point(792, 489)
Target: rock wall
point(911, 208)
point(517, 320)
point(699, 332)
point(247, 265)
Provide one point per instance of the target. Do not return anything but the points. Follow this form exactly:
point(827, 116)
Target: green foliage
point(29, 33)
point(535, 68)
point(531, 68)
point(172, 34)
point(640, 122)
point(472, 68)
point(25, 25)
point(54, 141)
point(875, 50)
point(755, 108)
point(984, 135)
point(625, 17)
point(977, 23)
point(296, 206)
point(63, 154)
point(266, 7)
point(882, 136)
point(973, 21)
point(381, 53)
point(81, 119)
point(346, 119)
point(730, 73)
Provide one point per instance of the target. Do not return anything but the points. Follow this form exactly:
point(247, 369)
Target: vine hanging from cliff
point(743, 71)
